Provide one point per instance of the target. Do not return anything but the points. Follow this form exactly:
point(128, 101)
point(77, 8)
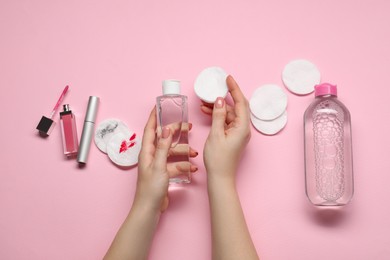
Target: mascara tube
point(88, 128)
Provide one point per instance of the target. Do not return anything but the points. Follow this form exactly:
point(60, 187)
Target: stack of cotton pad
point(268, 109)
point(211, 84)
point(122, 146)
point(300, 77)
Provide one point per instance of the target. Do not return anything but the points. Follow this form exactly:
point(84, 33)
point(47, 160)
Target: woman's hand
point(135, 236)
point(228, 137)
point(153, 170)
point(229, 134)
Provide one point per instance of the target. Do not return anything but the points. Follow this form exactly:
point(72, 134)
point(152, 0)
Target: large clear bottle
point(172, 112)
point(328, 149)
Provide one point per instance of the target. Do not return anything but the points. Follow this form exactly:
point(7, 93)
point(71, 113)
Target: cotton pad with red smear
point(123, 149)
point(300, 76)
point(270, 127)
point(268, 102)
point(211, 84)
point(107, 129)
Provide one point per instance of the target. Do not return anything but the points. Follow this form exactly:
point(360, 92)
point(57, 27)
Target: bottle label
point(328, 121)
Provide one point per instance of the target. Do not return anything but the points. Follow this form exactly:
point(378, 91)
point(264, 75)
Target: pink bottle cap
point(325, 89)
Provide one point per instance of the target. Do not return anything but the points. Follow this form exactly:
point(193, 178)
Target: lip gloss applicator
point(88, 129)
point(46, 124)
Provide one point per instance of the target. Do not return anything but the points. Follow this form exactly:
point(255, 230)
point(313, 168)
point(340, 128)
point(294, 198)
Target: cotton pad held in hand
point(300, 76)
point(270, 127)
point(107, 129)
point(268, 102)
point(211, 84)
point(123, 149)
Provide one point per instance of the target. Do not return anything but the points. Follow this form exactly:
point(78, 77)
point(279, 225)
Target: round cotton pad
point(300, 76)
point(123, 149)
point(106, 129)
point(268, 102)
point(211, 84)
point(270, 127)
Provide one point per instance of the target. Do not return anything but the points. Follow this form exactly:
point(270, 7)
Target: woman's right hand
point(229, 134)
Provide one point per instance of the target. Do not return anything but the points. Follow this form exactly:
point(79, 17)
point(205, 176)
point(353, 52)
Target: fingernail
point(194, 168)
point(219, 102)
point(165, 132)
point(193, 151)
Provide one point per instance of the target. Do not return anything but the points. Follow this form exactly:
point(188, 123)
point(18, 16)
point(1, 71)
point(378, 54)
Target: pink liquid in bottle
point(69, 132)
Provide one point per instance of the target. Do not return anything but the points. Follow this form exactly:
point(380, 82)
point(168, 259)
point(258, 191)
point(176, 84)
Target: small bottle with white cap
point(328, 149)
point(172, 112)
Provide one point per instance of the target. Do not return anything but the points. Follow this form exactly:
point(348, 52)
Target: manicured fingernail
point(193, 152)
point(219, 102)
point(165, 132)
point(194, 168)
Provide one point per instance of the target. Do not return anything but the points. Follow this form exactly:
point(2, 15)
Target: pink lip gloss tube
point(69, 132)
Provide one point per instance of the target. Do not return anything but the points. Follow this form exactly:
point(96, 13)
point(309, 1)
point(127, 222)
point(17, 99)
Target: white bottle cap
point(171, 87)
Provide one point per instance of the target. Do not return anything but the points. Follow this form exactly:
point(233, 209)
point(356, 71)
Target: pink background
point(121, 51)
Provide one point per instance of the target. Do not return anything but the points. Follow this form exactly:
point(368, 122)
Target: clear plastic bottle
point(328, 149)
point(172, 112)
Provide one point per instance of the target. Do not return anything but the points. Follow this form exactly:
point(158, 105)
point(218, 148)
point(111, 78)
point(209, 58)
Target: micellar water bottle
point(172, 112)
point(328, 149)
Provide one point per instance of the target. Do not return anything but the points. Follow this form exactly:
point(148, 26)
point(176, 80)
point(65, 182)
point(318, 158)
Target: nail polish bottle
point(69, 132)
point(172, 112)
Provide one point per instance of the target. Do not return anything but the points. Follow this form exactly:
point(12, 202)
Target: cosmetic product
point(268, 109)
point(268, 102)
point(123, 148)
point(106, 129)
point(88, 129)
point(46, 124)
point(270, 127)
point(211, 84)
point(300, 76)
point(68, 131)
point(113, 137)
point(328, 149)
point(172, 112)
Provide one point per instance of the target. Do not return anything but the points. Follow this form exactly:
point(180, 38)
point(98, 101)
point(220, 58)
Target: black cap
point(45, 126)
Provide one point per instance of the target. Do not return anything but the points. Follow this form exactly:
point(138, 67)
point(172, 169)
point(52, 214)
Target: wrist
point(145, 207)
point(223, 181)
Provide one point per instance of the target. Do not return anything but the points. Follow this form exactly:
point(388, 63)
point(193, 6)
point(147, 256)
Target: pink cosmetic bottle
point(69, 132)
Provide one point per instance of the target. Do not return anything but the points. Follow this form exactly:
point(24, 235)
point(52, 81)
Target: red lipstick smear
point(125, 145)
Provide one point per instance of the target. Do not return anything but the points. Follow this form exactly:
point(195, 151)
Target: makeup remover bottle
point(172, 112)
point(328, 149)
